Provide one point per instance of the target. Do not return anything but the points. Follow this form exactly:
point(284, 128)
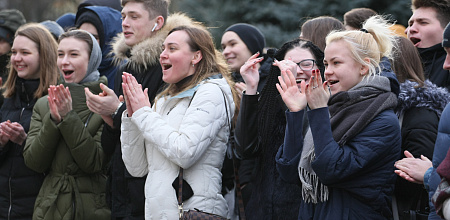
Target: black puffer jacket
point(19, 185)
point(419, 110)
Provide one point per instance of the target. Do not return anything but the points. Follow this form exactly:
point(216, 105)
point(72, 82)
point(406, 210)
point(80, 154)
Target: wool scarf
point(350, 112)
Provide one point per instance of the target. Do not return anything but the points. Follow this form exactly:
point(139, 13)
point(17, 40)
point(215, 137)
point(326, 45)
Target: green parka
point(72, 156)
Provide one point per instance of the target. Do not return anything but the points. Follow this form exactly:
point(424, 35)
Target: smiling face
point(298, 54)
point(341, 71)
point(25, 58)
point(234, 50)
point(73, 59)
point(424, 29)
point(177, 57)
point(136, 23)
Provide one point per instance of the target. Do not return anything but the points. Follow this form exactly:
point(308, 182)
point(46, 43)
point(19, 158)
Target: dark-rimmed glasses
point(306, 65)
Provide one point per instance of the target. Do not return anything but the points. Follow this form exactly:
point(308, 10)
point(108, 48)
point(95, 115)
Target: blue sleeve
point(288, 155)
point(376, 147)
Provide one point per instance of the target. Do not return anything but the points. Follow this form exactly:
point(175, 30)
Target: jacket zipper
point(10, 198)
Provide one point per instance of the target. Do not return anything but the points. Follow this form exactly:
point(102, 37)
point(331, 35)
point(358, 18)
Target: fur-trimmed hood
point(430, 96)
point(146, 53)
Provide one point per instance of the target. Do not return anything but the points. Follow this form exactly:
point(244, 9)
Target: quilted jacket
point(176, 133)
point(71, 154)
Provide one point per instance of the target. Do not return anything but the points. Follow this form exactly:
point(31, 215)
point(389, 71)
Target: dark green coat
point(71, 155)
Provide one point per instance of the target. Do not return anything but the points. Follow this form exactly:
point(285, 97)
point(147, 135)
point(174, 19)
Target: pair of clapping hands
point(315, 94)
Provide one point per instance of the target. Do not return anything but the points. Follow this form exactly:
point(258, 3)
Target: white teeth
point(298, 80)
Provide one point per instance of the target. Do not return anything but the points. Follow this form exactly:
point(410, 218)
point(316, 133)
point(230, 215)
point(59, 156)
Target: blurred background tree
point(279, 20)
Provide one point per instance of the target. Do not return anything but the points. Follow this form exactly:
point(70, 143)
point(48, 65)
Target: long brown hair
point(212, 63)
point(407, 63)
point(48, 69)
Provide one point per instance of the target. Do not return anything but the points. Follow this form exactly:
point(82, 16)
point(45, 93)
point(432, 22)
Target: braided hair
point(271, 120)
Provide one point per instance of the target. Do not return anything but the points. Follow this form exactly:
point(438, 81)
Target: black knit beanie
point(85, 15)
point(250, 35)
point(445, 41)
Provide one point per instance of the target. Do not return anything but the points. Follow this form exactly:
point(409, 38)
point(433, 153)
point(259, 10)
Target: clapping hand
point(250, 73)
point(134, 97)
point(317, 93)
point(60, 102)
point(12, 131)
point(291, 95)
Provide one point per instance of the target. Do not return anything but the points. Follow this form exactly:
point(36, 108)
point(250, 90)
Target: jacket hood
point(429, 96)
point(146, 53)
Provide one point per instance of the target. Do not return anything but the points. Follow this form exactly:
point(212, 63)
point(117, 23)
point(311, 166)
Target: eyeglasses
point(306, 65)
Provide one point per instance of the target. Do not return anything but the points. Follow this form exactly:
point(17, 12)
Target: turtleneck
point(26, 88)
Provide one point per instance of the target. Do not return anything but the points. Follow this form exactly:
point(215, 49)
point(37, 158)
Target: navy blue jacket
point(360, 175)
point(19, 184)
point(432, 178)
point(112, 25)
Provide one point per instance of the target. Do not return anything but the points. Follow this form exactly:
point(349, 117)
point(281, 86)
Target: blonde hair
point(374, 41)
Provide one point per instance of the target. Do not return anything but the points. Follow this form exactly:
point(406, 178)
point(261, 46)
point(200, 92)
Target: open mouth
point(331, 82)
point(415, 40)
point(67, 72)
point(298, 81)
point(166, 66)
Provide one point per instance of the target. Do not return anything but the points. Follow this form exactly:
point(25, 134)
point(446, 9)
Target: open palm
point(291, 95)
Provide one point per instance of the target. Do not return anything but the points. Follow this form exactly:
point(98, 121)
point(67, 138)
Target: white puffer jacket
point(178, 133)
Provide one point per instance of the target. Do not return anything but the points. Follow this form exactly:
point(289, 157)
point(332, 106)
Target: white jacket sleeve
point(133, 148)
point(203, 120)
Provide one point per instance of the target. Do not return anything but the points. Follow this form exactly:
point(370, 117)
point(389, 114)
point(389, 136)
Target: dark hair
point(442, 8)
point(80, 35)
point(357, 16)
point(48, 69)
point(271, 122)
point(407, 64)
point(316, 29)
point(154, 7)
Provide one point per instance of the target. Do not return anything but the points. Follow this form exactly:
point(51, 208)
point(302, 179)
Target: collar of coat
point(146, 53)
point(429, 96)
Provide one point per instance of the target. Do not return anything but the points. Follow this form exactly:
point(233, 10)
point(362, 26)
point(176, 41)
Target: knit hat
point(250, 35)
point(10, 21)
point(54, 28)
point(85, 15)
point(445, 41)
point(66, 20)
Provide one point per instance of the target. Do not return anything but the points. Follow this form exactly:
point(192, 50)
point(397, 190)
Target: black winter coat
point(19, 185)
point(433, 59)
point(419, 110)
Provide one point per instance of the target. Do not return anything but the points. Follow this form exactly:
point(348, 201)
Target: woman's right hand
point(250, 73)
point(291, 95)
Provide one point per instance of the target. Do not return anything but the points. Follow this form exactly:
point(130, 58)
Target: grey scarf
point(350, 112)
point(95, 59)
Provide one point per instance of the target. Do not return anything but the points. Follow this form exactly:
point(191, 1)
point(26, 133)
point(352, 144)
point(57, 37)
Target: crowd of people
point(124, 111)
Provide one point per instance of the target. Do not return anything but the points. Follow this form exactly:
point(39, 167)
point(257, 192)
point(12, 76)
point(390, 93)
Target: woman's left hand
point(135, 97)
point(317, 93)
point(14, 131)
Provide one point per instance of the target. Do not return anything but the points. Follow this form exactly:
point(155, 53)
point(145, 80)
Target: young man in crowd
point(425, 30)
point(145, 25)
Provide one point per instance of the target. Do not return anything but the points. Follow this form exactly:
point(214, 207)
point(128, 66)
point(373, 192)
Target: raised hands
point(285, 65)
point(250, 74)
point(289, 91)
point(135, 98)
point(412, 169)
point(12, 132)
point(60, 102)
point(317, 93)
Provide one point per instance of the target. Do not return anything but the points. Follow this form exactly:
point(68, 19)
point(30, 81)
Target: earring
point(193, 65)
